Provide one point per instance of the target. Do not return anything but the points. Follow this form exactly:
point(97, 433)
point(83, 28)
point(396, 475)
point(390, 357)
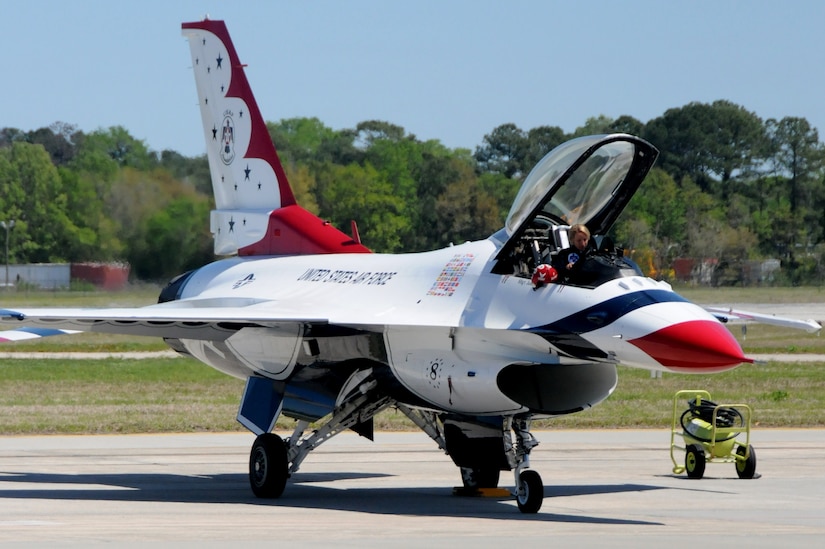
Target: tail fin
point(256, 212)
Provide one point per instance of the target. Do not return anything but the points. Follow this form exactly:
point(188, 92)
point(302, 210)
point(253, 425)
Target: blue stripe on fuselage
point(606, 312)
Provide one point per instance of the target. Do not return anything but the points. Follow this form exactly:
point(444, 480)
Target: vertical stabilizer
point(256, 212)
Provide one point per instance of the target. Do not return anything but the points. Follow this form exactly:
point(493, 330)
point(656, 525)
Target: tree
point(626, 124)
point(711, 144)
point(93, 235)
point(654, 219)
point(433, 176)
point(360, 193)
point(302, 182)
point(796, 153)
point(502, 151)
point(194, 171)
point(120, 146)
point(465, 212)
point(339, 148)
point(34, 197)
point(173, 240)
point(299, 140)
point(370, 131)
point(705, 221)
point(595, 125)
point(452, 205)
point(540, 141)
point(503, 190)
point(797, 157)
point(10, 135)
point(58, 140)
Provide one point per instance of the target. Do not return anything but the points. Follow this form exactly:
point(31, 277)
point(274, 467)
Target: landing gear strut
point(529, 487)
point(482, 451)
point(273, 459)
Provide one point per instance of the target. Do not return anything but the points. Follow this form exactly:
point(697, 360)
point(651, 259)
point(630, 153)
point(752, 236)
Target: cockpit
point(588, 180)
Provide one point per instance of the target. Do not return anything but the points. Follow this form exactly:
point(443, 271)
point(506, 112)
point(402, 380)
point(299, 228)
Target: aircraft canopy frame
point(587, 180)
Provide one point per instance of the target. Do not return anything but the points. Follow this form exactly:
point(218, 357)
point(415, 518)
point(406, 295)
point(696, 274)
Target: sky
point(450, 70)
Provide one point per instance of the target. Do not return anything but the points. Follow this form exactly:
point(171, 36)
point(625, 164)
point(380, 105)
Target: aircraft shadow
point(302, 492)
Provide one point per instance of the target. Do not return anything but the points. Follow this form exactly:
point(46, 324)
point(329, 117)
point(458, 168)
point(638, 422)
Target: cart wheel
point(695, 461)
point(746, 468)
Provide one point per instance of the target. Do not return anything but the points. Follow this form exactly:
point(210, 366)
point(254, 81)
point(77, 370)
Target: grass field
point(181, 395)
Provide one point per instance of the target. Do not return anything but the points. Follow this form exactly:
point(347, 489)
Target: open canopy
point(587, 180)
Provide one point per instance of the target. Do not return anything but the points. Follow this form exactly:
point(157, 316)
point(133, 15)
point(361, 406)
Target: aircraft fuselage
point(454, 335)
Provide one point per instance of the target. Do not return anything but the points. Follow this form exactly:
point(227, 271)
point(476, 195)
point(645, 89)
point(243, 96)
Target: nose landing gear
point(529, 490)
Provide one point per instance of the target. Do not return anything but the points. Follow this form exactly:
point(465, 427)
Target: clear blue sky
point(450, 70)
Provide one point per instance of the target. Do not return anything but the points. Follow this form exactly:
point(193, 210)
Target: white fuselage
point(449, 325)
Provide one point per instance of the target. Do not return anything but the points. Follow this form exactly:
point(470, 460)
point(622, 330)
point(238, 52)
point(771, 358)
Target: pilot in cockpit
point(565, 260)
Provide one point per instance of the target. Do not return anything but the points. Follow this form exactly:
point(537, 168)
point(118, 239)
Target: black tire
point(746, 469)
point(530, 494)
point(695, 461)
point(268, 466)
point(473, 479)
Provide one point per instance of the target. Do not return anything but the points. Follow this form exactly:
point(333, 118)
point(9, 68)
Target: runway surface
point(602, 489)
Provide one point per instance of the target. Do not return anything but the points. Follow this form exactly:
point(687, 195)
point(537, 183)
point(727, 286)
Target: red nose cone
point(694, 346)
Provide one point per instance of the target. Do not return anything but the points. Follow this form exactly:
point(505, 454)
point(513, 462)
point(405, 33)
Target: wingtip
point(7, 314)
point(815, 327)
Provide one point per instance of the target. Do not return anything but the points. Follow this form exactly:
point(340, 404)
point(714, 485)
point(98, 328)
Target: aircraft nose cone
point(693, 346)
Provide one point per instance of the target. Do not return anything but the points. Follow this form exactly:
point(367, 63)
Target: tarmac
point(611, 488)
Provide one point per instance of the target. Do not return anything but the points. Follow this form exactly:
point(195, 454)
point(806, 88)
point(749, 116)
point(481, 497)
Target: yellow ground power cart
point(715, 433)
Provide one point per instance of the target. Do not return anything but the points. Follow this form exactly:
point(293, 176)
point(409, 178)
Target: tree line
point(728, 186)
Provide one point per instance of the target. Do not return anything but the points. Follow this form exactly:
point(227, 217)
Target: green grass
point(115, 396)
point(779, 394)
point(132, 296)
point(41, 396)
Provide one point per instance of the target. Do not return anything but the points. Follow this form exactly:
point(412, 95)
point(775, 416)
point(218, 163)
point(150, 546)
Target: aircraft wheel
point(268, 466)
point(479, 478)
point(746, 468)
point(695, 461)
point(530, 492)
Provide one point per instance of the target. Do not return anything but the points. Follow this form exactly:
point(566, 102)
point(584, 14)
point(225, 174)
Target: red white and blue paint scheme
point(461, 340)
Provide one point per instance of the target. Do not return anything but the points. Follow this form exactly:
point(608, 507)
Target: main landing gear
point(273, 459)
point(268, 466)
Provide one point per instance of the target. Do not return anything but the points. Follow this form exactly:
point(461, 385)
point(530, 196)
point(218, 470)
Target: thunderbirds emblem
point(227, 140)
point(244, 281)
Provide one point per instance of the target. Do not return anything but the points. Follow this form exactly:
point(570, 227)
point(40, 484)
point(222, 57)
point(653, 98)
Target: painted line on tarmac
point(91, 356)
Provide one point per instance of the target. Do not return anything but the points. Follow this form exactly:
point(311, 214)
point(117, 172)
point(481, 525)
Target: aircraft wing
point(725, 314)
point(202, 321)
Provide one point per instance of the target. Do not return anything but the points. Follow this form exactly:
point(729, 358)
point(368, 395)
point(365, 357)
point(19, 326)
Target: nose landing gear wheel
point(529, 492)
point(695, 461)
point(268, 466)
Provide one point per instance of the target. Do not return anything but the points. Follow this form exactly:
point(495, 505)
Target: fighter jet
point(471, 342)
